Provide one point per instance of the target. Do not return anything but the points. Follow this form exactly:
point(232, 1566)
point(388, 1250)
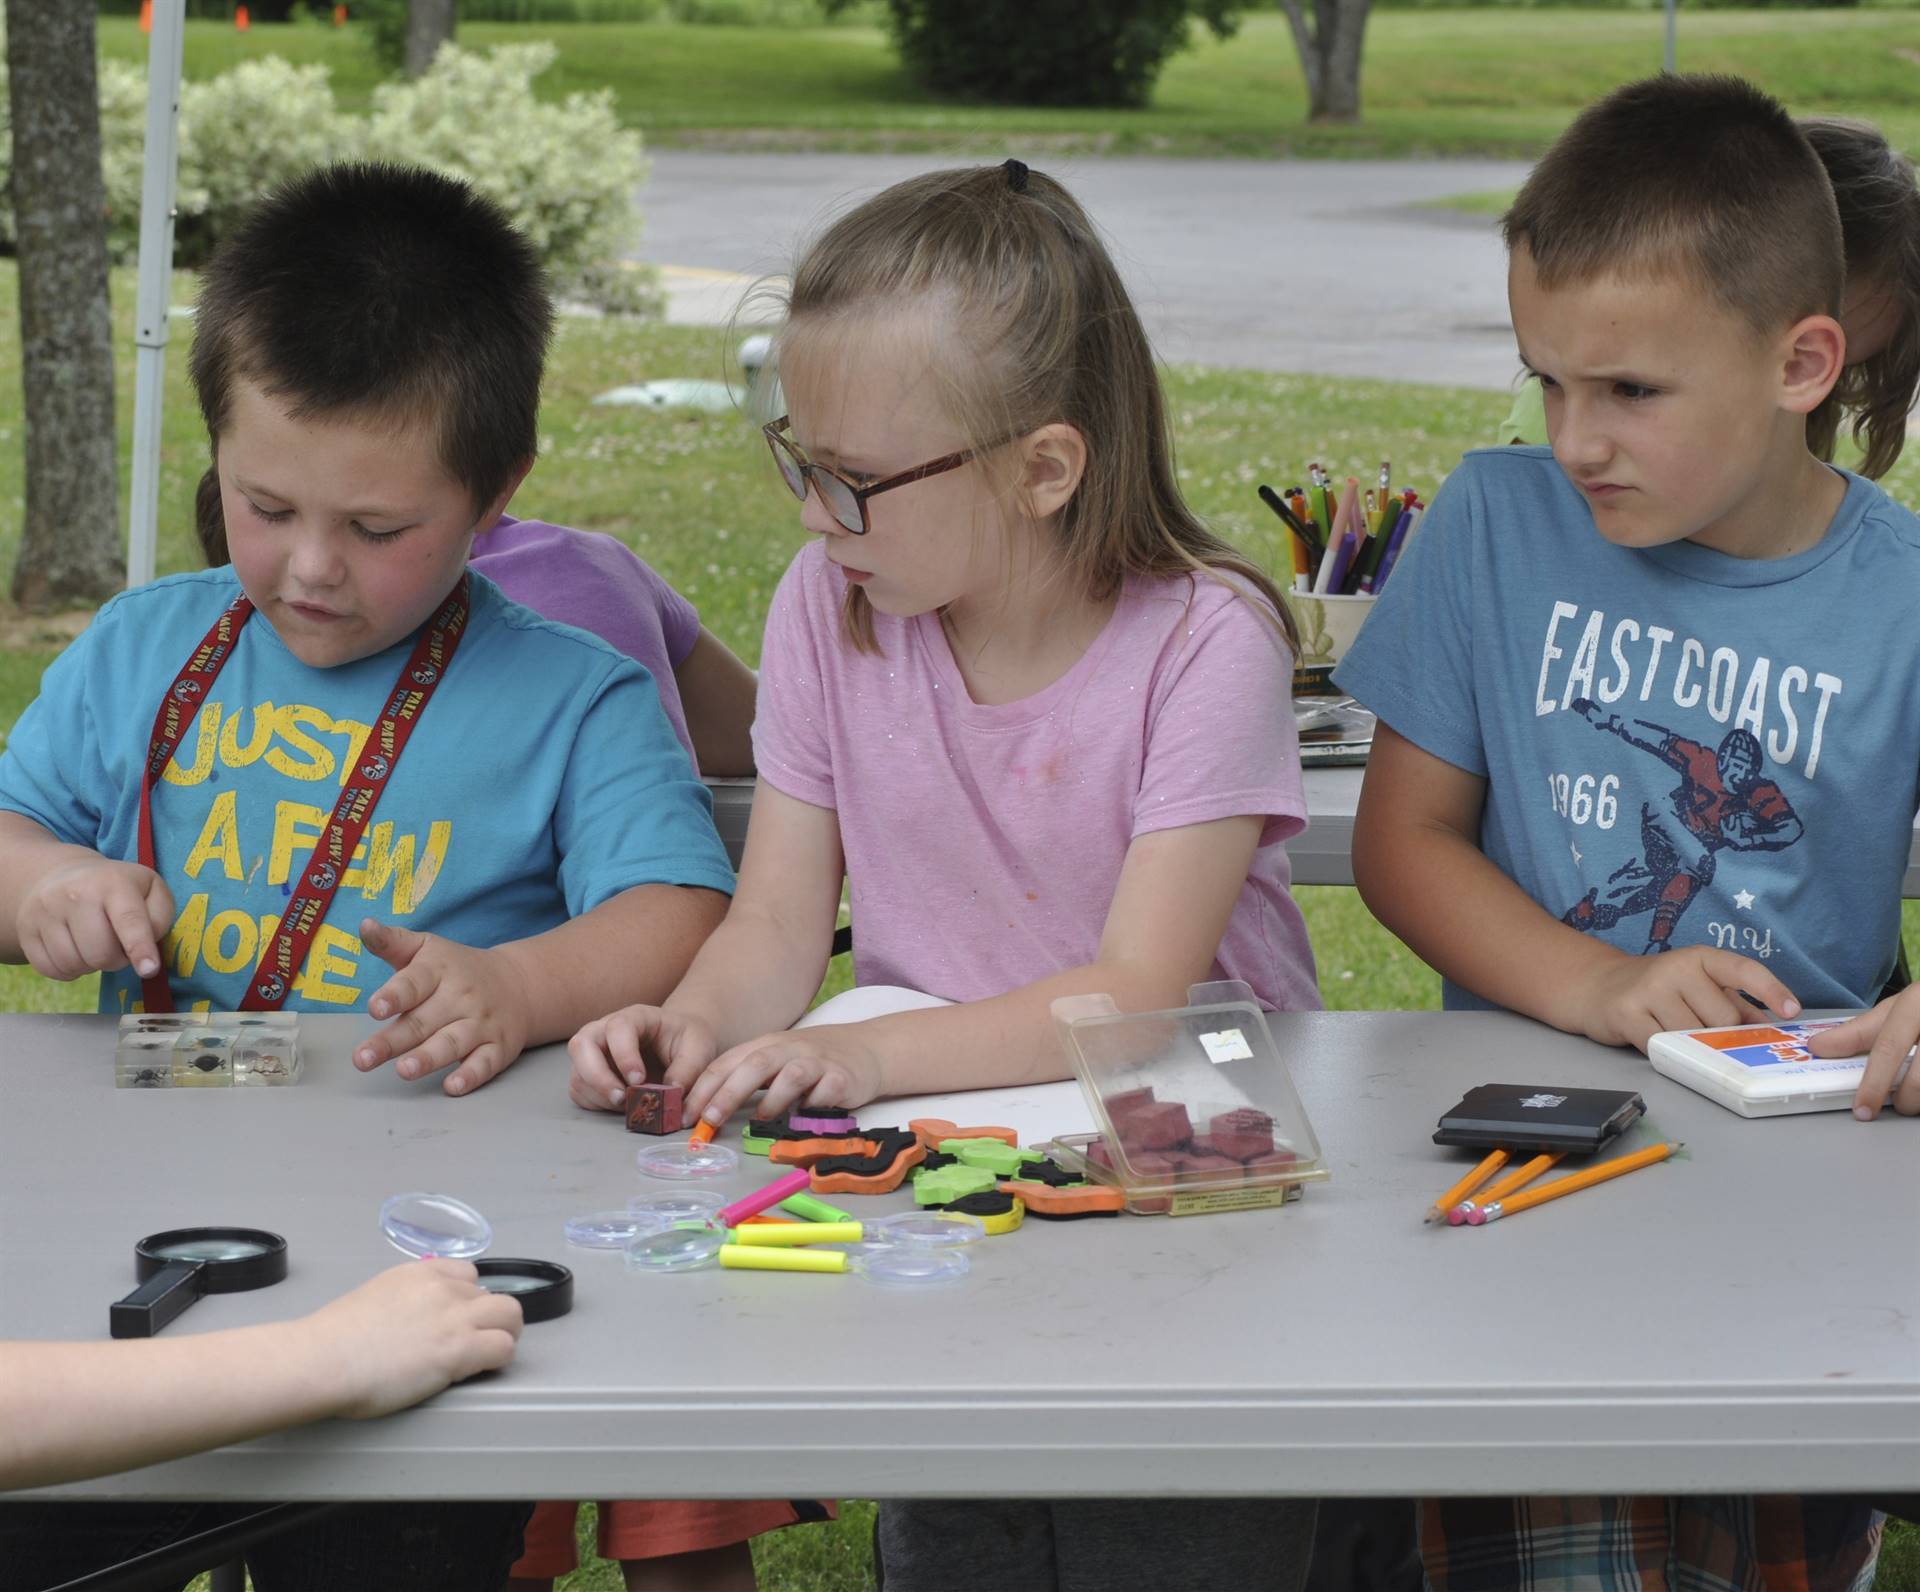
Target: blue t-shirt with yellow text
point(1680, 747)
point(542, 778)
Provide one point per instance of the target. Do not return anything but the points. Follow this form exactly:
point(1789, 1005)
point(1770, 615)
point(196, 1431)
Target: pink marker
point(779, 1189)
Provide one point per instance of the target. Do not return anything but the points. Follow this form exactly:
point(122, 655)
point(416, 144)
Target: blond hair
point(1049, 335)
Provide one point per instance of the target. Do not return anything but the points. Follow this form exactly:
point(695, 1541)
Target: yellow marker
point(788, 1235)
point(750, 1257)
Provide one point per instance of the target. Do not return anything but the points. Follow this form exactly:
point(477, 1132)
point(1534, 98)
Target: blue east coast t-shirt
point(1680, 747)
point(541, 779)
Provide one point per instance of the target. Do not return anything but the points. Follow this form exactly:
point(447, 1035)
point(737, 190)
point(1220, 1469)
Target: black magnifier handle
point(158, 1300)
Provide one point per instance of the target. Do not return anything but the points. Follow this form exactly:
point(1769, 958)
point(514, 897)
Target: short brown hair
point(1879, 199)
point(391, 291)
point(1048, 335)
point(1707, 177)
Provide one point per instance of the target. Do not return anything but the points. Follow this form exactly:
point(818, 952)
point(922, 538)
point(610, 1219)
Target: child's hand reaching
point(1886, 1034)
point(611, 1053)
point(408, 1333)
point(95, 916)
point(1694, 987)
point(451, 1003)
point(833, 1061)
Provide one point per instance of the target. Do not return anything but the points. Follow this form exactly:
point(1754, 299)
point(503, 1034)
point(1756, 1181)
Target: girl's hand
point(612, 1052)
point(1694, 987)
point(409, 1332)
point(832, 1065)
point(1886, 1034)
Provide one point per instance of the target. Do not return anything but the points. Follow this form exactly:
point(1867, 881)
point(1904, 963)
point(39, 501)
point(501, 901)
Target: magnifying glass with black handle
point(176, 1267)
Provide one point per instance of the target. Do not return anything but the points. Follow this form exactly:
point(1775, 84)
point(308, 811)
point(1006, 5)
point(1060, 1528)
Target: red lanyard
point(286, 953)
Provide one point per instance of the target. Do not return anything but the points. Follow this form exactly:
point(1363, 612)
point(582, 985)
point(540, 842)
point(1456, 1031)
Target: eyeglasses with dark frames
point(845, 498)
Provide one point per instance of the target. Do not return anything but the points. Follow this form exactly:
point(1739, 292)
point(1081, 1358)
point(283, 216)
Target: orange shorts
point(652, 1530)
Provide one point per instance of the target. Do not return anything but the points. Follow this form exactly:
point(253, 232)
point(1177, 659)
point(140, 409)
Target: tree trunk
point(70, 543)
point(429, 25)
point(1329, 52)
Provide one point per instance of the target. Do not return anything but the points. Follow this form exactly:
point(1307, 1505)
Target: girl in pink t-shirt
point(1026, 705)
point(1013, 692)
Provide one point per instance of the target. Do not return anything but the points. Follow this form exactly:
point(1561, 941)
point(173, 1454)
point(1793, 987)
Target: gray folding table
point(1746, 1319)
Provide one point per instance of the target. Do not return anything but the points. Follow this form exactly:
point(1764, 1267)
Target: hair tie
point(1016, 171)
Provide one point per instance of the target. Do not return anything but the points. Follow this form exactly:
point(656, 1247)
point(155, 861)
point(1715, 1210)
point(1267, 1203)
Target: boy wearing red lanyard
point(357, 753)
point(343, 773)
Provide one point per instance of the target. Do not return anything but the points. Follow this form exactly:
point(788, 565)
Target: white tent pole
point(164, 47)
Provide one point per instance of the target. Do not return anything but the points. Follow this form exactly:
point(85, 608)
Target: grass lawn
point(1438, 82)
point(696, 496)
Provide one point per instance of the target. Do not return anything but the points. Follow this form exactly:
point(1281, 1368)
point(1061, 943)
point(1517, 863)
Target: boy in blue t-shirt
point(1646, 742)
point(368, 358)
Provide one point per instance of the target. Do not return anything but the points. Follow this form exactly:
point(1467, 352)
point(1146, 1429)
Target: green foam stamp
point(949, 1183)
point(1003, 1160)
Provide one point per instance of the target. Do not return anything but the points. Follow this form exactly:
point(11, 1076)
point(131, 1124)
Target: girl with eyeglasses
point(1032, 711)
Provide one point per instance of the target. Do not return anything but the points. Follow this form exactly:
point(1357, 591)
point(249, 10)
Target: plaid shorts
point(1708, 1544)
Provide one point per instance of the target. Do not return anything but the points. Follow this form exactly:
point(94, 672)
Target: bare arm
point(1170, 909)
point(71, 1410)
point(1418, 863)
point(765, 962)
point(716, 693)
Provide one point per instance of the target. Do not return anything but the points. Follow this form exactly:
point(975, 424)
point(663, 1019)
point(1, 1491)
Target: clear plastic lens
point(676, 1162)
point(928, 1229)
point(691, 1205)
point(614, 1229)
point(685, 1246)
point(435, 1224)
point(908, 1265)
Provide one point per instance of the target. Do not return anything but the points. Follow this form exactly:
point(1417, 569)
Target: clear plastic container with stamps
point(1194, 1108)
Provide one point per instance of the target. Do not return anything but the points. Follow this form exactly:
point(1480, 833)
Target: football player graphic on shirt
point(1722, 803)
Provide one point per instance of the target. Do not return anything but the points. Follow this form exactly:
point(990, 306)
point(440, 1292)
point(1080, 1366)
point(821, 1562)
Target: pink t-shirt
point(984, 843)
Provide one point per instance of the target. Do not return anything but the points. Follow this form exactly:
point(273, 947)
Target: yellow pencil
point(1574, 1182)
point(1466, 1185)
point(1519, 1178)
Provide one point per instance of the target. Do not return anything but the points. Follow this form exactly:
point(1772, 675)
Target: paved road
point(1327, 267)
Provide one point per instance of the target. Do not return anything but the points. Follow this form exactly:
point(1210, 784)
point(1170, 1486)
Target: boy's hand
point(409, 1332)
point(452, 1003)
point(834, 1062)
point(612, 1052)
point(1886, 1034)
point(1694, 987)
point(95, 916)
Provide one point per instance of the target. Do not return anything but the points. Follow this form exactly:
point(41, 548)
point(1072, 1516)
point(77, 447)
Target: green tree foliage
point(1048, 52)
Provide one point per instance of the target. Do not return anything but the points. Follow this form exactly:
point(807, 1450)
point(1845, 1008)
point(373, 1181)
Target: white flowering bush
point(566, 173)
point(244, 133)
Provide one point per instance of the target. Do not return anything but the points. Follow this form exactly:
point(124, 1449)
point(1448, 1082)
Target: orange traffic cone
point(241, 21)
point(146, 16)
point(339, 15)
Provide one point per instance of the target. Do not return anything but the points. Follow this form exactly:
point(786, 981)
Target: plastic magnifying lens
point(908, 1265)
point(614, 1229)
point(544, 1289)
point(677, 1161)
point(175, 1268)
point(696, 1204)
point(434, 1224)
point(685, 1246)
point(927, 1229)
